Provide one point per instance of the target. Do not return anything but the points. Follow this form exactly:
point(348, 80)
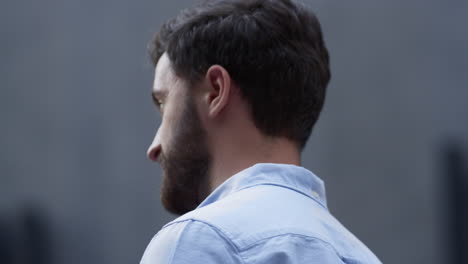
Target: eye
point(160, 104)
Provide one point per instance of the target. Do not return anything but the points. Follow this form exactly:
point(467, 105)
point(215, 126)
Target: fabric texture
point(268, 213)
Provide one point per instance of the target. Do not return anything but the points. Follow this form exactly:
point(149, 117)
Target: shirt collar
point(288, 176)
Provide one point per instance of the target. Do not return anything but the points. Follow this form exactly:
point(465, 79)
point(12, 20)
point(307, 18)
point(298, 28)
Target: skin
point(230, 143)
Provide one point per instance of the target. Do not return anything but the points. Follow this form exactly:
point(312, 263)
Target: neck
point(243, 152)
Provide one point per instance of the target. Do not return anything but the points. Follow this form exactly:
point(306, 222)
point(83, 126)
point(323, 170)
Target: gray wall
point(76, 119)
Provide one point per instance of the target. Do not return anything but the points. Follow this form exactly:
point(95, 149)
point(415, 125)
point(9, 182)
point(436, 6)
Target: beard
point(186, 164)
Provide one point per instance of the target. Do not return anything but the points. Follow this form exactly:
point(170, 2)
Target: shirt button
point(315, 195)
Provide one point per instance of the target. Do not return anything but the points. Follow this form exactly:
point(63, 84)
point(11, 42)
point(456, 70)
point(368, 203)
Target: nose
point(154, 149)
point(153, 152)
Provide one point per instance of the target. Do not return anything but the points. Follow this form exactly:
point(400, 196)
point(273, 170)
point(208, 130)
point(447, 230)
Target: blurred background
point(77, 118)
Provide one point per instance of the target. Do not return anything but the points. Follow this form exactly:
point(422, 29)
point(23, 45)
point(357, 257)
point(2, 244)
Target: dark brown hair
point(273, 49)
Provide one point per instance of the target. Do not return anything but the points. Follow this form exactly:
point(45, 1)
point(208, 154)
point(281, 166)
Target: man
point(239, 85)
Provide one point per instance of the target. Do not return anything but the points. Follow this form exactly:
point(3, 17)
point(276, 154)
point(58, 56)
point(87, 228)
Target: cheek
point(165, 132)
point(168, 128)
point(171, 118)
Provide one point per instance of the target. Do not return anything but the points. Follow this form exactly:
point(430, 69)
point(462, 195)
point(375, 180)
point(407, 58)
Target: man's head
point(266, 56)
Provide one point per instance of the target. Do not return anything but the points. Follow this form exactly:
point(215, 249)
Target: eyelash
point(158, 103)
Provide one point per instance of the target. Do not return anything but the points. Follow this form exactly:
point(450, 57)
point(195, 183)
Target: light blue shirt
point(268, 213)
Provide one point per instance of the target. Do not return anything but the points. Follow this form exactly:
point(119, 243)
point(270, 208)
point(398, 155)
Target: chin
point(180, 196)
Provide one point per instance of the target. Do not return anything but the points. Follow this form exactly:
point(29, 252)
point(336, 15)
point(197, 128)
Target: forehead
point(164, 75)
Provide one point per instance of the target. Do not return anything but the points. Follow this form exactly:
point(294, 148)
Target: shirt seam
point(177, 244)
point(324, 242)
point(224, 235)
point(218, 231)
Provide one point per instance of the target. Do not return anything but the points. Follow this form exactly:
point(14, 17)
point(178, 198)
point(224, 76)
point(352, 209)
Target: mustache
point(162, 159)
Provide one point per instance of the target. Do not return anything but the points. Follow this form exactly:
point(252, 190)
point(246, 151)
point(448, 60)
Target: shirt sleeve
point(190, 242)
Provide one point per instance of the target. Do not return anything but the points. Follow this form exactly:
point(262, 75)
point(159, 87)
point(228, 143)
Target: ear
point(219, 83)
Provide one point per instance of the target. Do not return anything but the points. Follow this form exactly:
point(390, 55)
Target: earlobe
point(220, 86)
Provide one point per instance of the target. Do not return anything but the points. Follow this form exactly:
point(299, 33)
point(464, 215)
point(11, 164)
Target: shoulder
point(190, 241)
point(193, 241)
point(259, 213)
point(248, 223)
point(265, 224)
